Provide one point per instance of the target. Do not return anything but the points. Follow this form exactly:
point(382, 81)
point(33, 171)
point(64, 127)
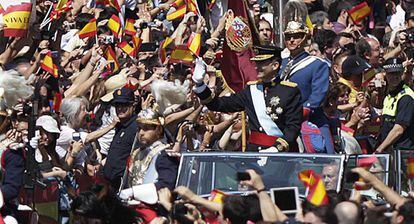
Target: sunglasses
point(294, 36)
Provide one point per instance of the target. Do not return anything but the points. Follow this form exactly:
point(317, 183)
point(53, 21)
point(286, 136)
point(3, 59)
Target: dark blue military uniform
point(288, 118)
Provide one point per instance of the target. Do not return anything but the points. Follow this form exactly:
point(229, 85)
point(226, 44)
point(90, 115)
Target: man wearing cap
point(398, 113)
point(273, 107)
point(353, 69)
point(125, 131)
point(150, 168)
point(311, 74)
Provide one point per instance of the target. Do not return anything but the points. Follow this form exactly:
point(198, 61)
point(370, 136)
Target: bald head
point(347, 213)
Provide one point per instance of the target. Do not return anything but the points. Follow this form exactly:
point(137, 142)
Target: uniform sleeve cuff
point(146, 193)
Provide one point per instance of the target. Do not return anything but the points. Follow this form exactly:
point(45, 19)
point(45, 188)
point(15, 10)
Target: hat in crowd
point(296, 27)
point(113, 83)
point(266, 52)
point(123, 95)
point(150, 116)
point(48, 123)
point(393, 65)
point(354, 65)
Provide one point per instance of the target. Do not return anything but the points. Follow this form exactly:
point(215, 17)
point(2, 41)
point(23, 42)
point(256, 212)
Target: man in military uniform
point(311, 74)
point(150, 168)
point(273, 107)
point(125, 132)
point(398, 113)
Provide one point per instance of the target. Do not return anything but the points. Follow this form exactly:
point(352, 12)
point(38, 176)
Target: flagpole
point(410, 184)
point(243, 131)
point(47, 18)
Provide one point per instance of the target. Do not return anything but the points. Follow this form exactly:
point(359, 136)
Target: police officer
point(125, 131)
point(273, 107)
point(311, 74)
point(150, 168)
point(398, 112)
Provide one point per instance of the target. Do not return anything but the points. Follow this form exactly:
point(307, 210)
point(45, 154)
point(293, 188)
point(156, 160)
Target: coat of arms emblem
point(238, 34)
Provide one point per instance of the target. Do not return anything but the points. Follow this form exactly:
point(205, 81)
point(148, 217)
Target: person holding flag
point(273, 106)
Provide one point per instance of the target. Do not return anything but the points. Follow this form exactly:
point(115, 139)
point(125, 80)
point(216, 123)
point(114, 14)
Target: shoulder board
point(287, 83)
point(253, 82)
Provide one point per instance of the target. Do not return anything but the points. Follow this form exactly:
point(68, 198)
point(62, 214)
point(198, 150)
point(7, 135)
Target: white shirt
point(105, 140)
point(398, 19)
point(64, 141)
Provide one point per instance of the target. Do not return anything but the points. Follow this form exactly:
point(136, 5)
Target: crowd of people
point(340, 81)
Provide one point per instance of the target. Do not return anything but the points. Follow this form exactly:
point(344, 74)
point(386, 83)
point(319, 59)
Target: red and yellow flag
point(89, 30)
point(57, 101)
point(136, 41)
point(359, 12)
point(177, 3)
point(194, 43)
point(110, 56)
point(129, 27)
point(114, 24)
point(127, 48)
point(192, 6)
point(16, 20)
point(317, 192)
point(410, 167)
point(181, 54)
point(61, 7)
point(114, 3)
point(162, 53)
point(49, 66)
point(178, 13)
point(216, 196)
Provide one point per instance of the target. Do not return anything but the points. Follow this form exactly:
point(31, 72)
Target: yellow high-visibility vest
point(391, 102)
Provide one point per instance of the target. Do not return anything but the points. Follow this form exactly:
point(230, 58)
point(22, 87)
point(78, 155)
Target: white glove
point(270, 149)
point(199, 71)
point(126, 194)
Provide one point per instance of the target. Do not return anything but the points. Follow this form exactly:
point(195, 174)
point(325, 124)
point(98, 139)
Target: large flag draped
point(317, 192)
point(237, 68)
point(16, 20)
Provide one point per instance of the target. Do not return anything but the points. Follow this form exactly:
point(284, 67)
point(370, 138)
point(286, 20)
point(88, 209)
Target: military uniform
point(311, 74)
point(273, 108)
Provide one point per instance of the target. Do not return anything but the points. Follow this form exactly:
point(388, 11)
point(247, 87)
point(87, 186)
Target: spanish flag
point(136, 41)
point(129, 27)
point(359, 12)
point(216, 196)
point(57, 101)
point(61, 7)
point(49, 66)
point(192, 6)
point(194, 43)
point(162, 53)
point(114, 24)
point(367, 76)
point(178, 13)
point(317, 192)
point(410, 167)
point(16, 20)
point(111, 57)
point(181, 54)
point(89, 30)
point(114, 3)
point(127, 48)
point(177, 3)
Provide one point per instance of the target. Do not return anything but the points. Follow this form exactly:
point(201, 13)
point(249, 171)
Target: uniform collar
point(300, 56)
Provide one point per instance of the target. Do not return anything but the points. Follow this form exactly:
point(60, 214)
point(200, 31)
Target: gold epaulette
point(290, 84)
point(253, 82)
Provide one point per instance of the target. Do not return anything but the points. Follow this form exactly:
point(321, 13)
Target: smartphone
point(243, 176)
point(76, 136)
point(286, 198)
point(351, 177)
